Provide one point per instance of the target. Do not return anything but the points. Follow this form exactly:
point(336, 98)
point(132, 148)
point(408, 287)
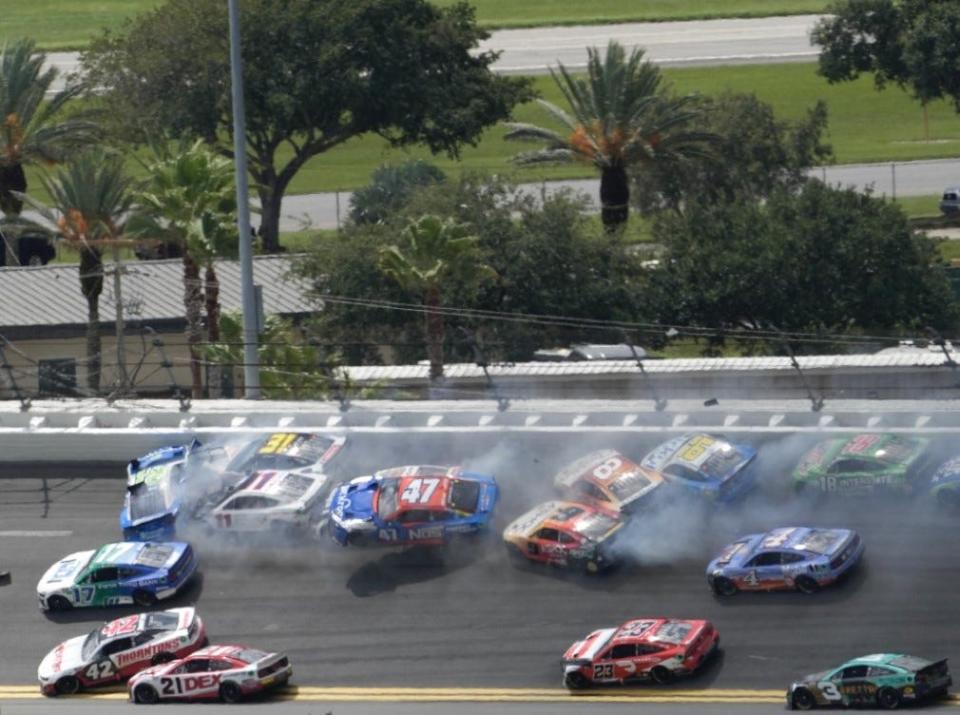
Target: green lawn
point(69, 24)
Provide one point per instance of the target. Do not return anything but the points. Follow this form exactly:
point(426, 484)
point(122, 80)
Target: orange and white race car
point(566, 534)
point(657, 649)
point(608, 479)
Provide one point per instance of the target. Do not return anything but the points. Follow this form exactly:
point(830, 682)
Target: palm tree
point(190, 200)
point(90, 197)
point(435, 252)
point(623, 117)
point(33, 130)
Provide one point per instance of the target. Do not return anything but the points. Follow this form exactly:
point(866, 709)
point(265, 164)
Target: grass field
point(69, 24)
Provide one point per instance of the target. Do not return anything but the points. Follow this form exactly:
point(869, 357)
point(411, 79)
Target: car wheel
point(67, 685)
point(146, 694)
point(888, 698)
point(59, 603)
point(586, 566)
point(230, 692)
point(722, 586)
point(806, 584)
point(144, 598)
point(661, 675)
point(576, 681)
point(803, 699)
point(162, 657)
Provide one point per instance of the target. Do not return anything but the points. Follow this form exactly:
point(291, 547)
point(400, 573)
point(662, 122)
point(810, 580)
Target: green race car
point(863, 464)
point(882, 680)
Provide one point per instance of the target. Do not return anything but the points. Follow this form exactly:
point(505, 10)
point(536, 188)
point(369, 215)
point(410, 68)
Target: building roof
point(49, 296)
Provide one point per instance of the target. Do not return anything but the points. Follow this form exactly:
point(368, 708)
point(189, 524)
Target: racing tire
point(67, 685)
point(888, 699)
point(162, 657)
point(58, 603)
point(146, 695)
point(589, 567)
point(661, 676)
point(807, 585)
point(576, 681)
point(230, 692)
point(144, 598)
point(722, 586)
point(802, 699)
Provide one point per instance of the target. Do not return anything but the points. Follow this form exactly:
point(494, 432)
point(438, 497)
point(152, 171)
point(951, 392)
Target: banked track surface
point(369, 628)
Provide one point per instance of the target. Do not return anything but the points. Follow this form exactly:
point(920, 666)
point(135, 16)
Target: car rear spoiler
point(934, 669)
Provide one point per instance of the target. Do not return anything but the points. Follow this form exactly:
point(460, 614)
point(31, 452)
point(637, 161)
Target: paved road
point(376, 620)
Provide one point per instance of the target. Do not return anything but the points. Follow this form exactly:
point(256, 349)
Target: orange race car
point(608, 479)
point(575, 536)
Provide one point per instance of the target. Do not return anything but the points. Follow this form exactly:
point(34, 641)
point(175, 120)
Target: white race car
point(118, 649)
point(278, 501)
point(224, 672)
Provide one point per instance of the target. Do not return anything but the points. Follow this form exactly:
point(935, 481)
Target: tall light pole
point(251, 361)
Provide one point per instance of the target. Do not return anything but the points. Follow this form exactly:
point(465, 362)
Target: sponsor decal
point(144, 653)
point(185, 684)
point(426, 532)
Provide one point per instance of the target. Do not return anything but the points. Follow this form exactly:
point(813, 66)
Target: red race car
point(217, 672)
point(655, 649)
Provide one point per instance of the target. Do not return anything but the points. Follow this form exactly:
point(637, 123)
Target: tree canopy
point(912, 43)
point(317, 73)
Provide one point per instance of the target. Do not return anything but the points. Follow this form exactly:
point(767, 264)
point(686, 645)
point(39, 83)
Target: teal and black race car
point(117, 574)
point(884, 680)
point(861, 465)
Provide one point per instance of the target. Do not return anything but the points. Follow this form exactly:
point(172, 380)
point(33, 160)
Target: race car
point(884, 680)
point(115, 574)
point(566, 534)
point(608, 479)
point(413, 505)
point(945, 483)
point(225, 672)
point(864, 464)
point(657, 649)
point(794, 557)
point(120, 648)
point(706, 465)
point(187, 480)
point(277, 501)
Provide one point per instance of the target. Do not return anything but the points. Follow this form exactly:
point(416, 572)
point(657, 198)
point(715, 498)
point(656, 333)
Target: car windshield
point(629, 484)
point(909, 662)
point(896, 450)
point(673, 632)
point(387, 497)
point(464, 495)
point(90, 644)
point(249, 655)
point(595, 526)
point(295, 485)
point(721, 462)
point(161, 621)
point(819, 541)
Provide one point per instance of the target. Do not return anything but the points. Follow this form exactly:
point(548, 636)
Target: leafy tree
point(390, 187)
point(190, 200)
point(818, 260)
point(754, 154)
point(434, 251)
point(914, 44)
point(623, 118)
point(317, 74)
point(290, 366)
point(91, 196)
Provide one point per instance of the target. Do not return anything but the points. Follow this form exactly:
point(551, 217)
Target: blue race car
point(795, 557)
point(707, 465)
point(945, 483)
point(116, 574)
point(415, 505)
point(189, 479)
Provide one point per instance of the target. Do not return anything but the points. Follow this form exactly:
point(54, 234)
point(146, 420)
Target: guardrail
point(94, 430)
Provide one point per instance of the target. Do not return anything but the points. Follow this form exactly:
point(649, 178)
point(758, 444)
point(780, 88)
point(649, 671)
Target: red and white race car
point(120, 648)
point(224, 672)
point(655, 649)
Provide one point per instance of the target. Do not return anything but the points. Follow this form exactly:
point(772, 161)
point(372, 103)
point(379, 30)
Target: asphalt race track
point(377, 631)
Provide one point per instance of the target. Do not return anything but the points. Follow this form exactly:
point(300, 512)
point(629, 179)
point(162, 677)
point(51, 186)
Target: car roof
point(798, 539)
point(285, 485)
point(661, 631)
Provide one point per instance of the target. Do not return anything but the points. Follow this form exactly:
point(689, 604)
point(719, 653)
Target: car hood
point(65, 658)
point(64, 572)
point(353, 500)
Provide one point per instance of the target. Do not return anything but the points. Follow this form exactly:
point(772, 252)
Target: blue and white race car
point(794, 557)
point(945, 483)
point(704, 464)
point(414, 505)
point(171, 482)
point(117, 574)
